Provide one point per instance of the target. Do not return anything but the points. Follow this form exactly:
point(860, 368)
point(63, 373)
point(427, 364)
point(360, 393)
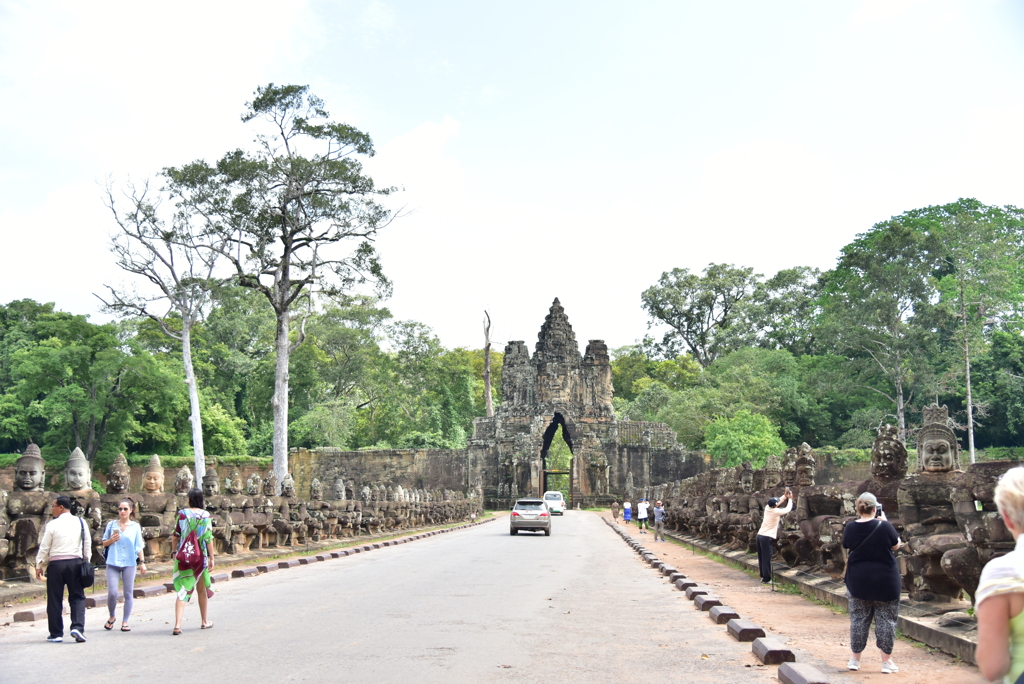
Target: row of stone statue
point(946, 515)
point(248, 515)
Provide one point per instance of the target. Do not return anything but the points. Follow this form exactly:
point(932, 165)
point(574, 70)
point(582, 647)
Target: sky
point(542, 149)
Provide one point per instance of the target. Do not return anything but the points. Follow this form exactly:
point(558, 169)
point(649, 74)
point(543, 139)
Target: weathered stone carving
point(85, 501)
point(155, 510)
point(27, 511)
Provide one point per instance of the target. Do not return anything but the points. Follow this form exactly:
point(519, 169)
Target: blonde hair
point(1009, 496)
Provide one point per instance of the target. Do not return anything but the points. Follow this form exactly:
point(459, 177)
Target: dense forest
point(915, 307)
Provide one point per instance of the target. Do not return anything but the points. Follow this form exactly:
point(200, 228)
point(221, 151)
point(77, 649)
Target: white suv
point(555, 502)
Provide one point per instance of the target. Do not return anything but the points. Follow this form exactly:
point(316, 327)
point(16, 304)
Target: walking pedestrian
point(627, 512)
point(615, 510)
point(123, 540)
point(768, 532)
point(873, 581)
point(641, 515)
point(193, 519)
point(999, 599)
point(659, 521)
point(60, 557)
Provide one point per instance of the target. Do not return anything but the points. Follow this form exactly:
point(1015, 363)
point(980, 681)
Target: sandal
point(176, 631)
point(125, 628)
point(110, 624)
point(209, 626)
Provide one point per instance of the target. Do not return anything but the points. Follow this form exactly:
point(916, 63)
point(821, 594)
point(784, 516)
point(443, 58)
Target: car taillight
point(514, 514)
point(543, 515)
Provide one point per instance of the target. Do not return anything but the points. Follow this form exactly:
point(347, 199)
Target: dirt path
point(816, 629)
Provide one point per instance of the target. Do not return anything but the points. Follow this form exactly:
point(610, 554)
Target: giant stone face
point(937, 456)
point(153, 481)
point(28, 475)
point(78, 477)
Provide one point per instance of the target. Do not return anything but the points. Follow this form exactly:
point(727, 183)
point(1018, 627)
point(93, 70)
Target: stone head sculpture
point(316, 490)
point(288, 486)
point(153, 476)
point(789, 467)
point(746, 478)
point(77, 472)
point(183, 481)
point(888, 455)
point(211, 481)
point(254, 484)
point(30, 470)
point(772, 471)
point(805, 466)
point(270, 484)
point(118, 476)
point(233, 483)
point(938, 450)
point(338, 489)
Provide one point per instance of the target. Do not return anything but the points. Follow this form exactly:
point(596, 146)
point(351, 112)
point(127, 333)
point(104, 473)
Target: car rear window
point(529, 506)
point(552, 497)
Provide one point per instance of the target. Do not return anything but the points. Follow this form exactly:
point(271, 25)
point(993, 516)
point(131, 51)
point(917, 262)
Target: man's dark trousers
point(60, 574)
point(764, 556)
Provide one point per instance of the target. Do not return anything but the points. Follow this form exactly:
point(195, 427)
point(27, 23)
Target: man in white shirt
point(60, 556)
point(641, 515)
point(769, 531)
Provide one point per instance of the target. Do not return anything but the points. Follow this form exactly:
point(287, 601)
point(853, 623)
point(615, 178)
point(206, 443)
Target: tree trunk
point(487, 367)
point(193, 398)
point(280, 400)
point(967, 372)
point(901, 410)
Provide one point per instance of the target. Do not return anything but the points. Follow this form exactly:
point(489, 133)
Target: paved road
point(475, 605)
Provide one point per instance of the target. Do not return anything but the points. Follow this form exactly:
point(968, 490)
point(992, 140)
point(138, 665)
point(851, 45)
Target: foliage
point(745, 436)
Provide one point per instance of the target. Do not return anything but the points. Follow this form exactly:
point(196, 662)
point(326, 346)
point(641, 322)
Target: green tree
point(282, 216)
point(744, 436)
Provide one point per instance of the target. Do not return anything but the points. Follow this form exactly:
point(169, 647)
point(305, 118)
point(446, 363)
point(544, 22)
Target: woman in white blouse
point(122, 539)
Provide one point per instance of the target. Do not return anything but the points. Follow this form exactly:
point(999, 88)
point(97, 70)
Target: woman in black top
point(872, 581)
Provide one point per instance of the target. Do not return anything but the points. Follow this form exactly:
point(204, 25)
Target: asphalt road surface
point(475, 605)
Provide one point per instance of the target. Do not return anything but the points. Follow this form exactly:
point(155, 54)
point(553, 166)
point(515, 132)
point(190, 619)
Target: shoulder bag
point(88, 572)
point(870, 534)
point(106, 549)
point(189, 555)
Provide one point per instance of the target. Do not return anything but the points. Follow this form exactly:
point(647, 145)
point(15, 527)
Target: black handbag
point(88, 572)
point(106, 549)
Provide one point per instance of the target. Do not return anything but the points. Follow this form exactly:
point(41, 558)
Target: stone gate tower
point(558, 386)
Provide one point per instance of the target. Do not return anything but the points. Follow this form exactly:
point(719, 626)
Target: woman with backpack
point(193, 558)
point(122, 547)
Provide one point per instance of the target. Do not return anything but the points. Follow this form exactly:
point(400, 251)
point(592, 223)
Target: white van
point(555, 502)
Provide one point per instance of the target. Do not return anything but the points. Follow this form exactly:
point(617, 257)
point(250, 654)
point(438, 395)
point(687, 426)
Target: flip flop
point(209, 626)
point(110, 624)
point(176, 631)
point(125, 628)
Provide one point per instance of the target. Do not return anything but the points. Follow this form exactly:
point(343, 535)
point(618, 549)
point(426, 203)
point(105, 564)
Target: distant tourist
point(769, 531)
point(615, 510)
point(193, 519)
point(873, 581)
point(659, 521)
point(627, 512)
point(641, 515)
point(60, 556)
point(123, 540)
point(999, 600)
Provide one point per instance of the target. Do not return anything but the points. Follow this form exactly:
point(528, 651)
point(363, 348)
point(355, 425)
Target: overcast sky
point(569, 149)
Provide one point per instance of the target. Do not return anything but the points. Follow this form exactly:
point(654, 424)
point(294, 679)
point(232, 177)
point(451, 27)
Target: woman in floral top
point(194, 518)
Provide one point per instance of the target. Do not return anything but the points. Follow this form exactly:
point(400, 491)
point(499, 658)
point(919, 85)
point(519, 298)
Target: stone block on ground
point(682, 584)
point(676, 576)
point(744, 630)
point(267, 567)
point(323, 557)
point(722, 614)
point(667, 570)
point(151, 590)
point(308, 560)
point(369, 548)
point(772, 651)
point(801, 673)
point(697, 590)
point(245, 572)
point(101, 599)
point(170, 587)
point(706, 602)
point(32, 615)
point(220, 577)
point(284, 565)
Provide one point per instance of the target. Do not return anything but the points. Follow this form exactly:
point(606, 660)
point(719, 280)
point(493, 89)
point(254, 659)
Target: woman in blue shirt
point(123, 541)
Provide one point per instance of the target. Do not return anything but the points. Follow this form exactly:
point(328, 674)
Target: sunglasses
point(124, 509)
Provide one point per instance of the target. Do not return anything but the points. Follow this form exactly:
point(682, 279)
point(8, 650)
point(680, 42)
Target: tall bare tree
point(178, 276)
point(487, 366)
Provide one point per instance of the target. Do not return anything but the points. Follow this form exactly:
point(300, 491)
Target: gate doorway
point(557, 460)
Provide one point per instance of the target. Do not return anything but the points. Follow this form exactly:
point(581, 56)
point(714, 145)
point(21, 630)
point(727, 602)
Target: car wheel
point(513, 532)
point(547, 532)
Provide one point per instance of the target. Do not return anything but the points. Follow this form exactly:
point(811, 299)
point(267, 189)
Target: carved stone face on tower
point(254, 484)
point(288, 486)
point(270, 484)
point(772, 471)
point(888, 455)
point(316, 490)
point(118, 476)
point(747, 479)
point(233, 483)
point(338, 489)
point(937, 448)
point(211, 482)
point(789, 467)
point(30, 470)
point(77, 473)
point(805, 466)
point(153, 478)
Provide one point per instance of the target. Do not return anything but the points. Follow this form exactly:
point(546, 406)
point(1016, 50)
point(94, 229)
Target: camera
point(878, 511)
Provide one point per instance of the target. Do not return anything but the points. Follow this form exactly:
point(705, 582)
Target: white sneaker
point(79, 637)
point(888, 667)
point(854, 664)
point(55, 640)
